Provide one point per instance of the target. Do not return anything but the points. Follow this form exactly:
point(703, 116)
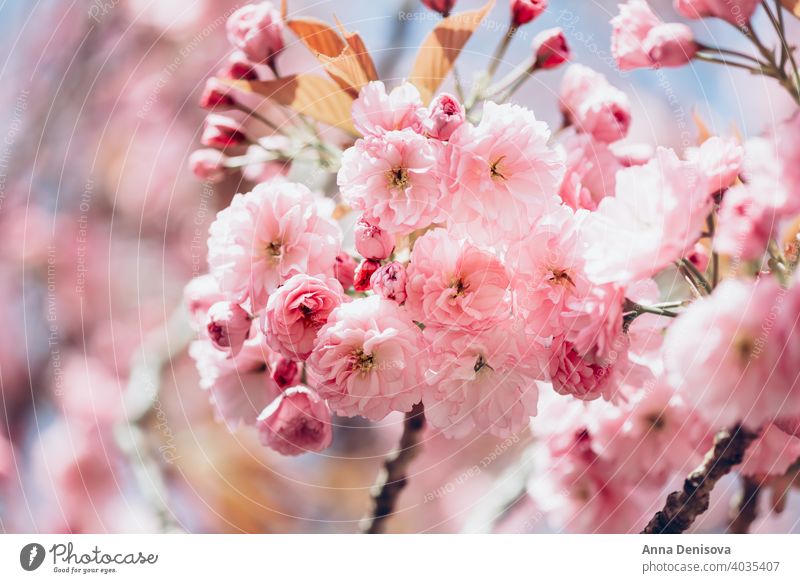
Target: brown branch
point(393, 476)
point(684, 506)
point(745, 507)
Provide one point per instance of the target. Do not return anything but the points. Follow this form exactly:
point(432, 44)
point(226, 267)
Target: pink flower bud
point(228, 326)
point(523, 11)
point(790, 425)
point(372, 242)
point(445, 116)
point(364, 273)
point(670, 45)
point(390, 282)
point(257, 31)
point(443, 7)
point(736, 12)
point(296, 422)
point(551, 49)
point(345, 269)
point(199, 295)
point(208, 164)
point(239, 67)
point(286, 372)
point(699, 257)
point(216, 95)
point(222, 132)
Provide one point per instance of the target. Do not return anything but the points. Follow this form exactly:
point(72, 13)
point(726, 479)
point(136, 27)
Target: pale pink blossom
point(546, 268)
point(239, 387)
point(445, 115)
point(720, 159)
point(524, 11)
point(771, 453)
point(372, 242)
point(453, 283)
point(199, 295)
point(585, 378)
point(482, 382)
point(369, 359)
point(502, 173)
point(745, 223)
point(297, 310)
point(593, 321)
point(670, 45)
point(208, 164)
point(395, 178)
point(733, 353)
point(296, 422)
point(390, 282)
point(228, 326)
point(591, 172)
point(266, 236)
point(737, 12)
point(629, 33)
point(376, 112)
point(257, 31)
point(656, 217)
point(550, 49)
point(591, 104)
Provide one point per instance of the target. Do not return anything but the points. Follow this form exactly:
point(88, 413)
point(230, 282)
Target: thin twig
point(682, 507)
point(393, 476)
point(745, 507)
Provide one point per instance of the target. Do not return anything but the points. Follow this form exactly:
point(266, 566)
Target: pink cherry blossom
point(481, 382)
point(655, 218)
point(344, 269)
point(362, 278)
point(737, 12)
point(228, 326)
point(590, 103)
point(731, 353)
point(296, 312)
point(771, 453)
point(502, 173)
point(550, 49)
point(199, 295)
point(720, 159)
point(390, 282)
point(296, 422)
point(640, 39)
point(394, 177)
point(372, 242)
point(590, 172)
point(375, 112)
point(445, 115)
point(208, 164)
point(670, 45)
point(266, 236)
point(369, 359)
point(456, 284)
point(257, 31)
point(745, 223)
point(524, 11)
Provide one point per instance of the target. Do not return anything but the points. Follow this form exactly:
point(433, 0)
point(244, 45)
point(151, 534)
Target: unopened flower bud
point(523, 11)
point(344, 269)
point(390, 282)
point(670, 45)
point(364, 273)
point(239, 67)
point(222, 132)
point(551, 49)
point(216, 95)
point(257, 31)
point(443, 7)
point(445, 115)
point(372, 242)
point(228, 326)
point(296, 422)
point(286, 372)
point(699, 257)
point(199, 295)
point(208, 164)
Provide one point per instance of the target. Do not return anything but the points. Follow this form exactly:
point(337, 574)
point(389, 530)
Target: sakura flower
point(208, 164)
point(344, 269)
point(731, 353)
point(199, 295)
point(502, 173)
point(228, 326)
point(670, 45)
point(445, 115)
point(257, 31)
point(373, 242)
point(481, 382)
point(585, 378)
point(455, 284)
point(285, 372)
point(591, 104)
point(296, 422)
point(296, 312)
point(550, 49)
point(390, 282)
point(720, 160)
point(266, 236)
point(524, 11)
point(369, 359)
point(590, 172)
point(745, 223)
point(736, 12)
point(395, 178)
point(771, 453)
point(547, 270)
point(655, 218)
point(375, 112)
point(223, 132)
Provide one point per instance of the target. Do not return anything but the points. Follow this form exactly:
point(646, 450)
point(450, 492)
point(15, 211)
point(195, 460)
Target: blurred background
point(102, 224)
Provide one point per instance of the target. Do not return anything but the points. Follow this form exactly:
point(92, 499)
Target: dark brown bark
point(745, 507)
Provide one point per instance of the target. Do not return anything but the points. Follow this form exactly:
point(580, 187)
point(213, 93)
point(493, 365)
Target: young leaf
point(319, 37)
point(441, 48)
point(792, 6)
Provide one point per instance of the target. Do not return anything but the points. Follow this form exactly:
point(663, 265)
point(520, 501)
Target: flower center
point(480, 364)
point(744, 347)
point(273, 250)
point(496, 169)
point(655, 421)
point(560, 277)
point(362, 362)
point(398, 177)
point(460, 288)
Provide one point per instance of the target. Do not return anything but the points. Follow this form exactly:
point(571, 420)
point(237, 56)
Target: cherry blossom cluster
point(634, 300)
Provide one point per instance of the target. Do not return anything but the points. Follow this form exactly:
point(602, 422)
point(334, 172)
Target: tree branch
point(745, 507)
point(684, 506)
point(392, 478)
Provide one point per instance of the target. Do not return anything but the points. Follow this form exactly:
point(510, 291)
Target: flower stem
point(745, 507)
point(500, 51)
point(393, 476)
